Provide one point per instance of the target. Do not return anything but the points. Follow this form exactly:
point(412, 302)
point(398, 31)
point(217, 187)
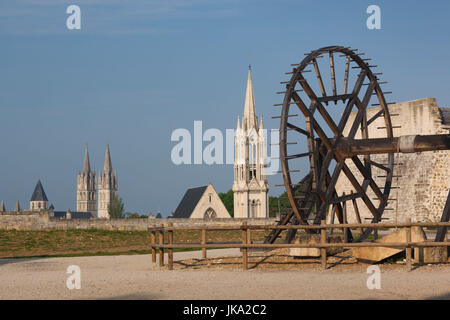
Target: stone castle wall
point(27, 220)
point(421, 180)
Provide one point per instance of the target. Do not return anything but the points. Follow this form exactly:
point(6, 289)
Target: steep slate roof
point(189, 201)
point(39, 193)
point(445, 116)
point(74, 214)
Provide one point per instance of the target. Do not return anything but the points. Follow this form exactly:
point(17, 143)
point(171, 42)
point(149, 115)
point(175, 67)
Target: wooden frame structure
point(332, 145)
point(247, 244)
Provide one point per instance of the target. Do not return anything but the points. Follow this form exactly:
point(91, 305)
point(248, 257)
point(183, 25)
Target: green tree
point(281, 203)
point(227, 199)
point(135, 215)
point(132, 215)
point(115, 209)
point(278, 204)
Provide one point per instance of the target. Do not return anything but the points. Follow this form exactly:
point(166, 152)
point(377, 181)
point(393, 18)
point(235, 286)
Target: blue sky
point(139, 69)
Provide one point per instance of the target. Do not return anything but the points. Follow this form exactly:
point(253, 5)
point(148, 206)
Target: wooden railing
point(246, 242)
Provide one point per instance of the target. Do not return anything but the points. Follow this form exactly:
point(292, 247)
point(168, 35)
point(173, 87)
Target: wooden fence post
point(161, 250)
point(204, 243)
point(408, 247)
point(344, 219)
point(170, 260)
point(153, 242)
point(244, 242)
point(323, 240)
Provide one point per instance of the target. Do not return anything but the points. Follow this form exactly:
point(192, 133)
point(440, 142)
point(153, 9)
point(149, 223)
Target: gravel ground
point(135, 277)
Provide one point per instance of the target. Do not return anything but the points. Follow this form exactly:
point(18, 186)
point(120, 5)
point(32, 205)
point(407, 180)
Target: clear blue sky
point(138, 69)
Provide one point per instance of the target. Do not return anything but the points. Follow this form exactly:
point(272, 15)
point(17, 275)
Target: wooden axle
point(348, 148)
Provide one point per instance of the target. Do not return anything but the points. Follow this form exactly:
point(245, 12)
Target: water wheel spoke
point(333, 78)
point(310, 118)
point(319, 77)
point(363, 170)
point(360, 190)
point(295, 128)
point(347, 65)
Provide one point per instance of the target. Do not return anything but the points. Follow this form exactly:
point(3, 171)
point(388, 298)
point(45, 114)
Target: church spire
point(86, 164)
point(2, 207)
point(107, 167)
point(17, 208)
point(249, 119)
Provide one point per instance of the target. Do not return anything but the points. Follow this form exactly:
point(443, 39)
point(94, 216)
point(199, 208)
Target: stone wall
point(421, 180)
point(42, 221)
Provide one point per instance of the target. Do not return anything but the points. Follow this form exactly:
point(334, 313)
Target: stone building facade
point(250, 187)
point(421, 181)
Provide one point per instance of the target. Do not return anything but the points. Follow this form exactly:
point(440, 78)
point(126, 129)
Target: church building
point(201, 203)
point(250, 187)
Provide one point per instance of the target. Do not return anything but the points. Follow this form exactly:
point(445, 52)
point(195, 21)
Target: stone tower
point(86, 195)
point(250, 185)
point(107, 186)
point(39, 199)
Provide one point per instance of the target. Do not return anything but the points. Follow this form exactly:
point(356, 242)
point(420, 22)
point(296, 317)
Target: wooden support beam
point(170, 254)
point(323, 240)
point(153, 242)
point(244, 249)
point(440, 235)
point(408, 246)
point(344, 214)
point(161, 250)
point(203, 243)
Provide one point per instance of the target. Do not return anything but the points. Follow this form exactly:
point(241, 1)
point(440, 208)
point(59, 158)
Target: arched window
point(252, 209)
point(210, 214)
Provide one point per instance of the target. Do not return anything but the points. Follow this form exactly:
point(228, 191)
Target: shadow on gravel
point(5, 261)
point(134, 296)
point(445, 296)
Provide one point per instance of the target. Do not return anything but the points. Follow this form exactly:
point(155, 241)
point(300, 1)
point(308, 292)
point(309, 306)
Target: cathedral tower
point(107, 186)
point(250, 185)
point(86, 195)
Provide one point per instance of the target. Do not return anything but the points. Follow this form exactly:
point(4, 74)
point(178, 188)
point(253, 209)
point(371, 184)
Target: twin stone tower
point(86, 187)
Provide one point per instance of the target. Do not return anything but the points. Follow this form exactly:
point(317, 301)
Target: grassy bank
point(14, 244)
